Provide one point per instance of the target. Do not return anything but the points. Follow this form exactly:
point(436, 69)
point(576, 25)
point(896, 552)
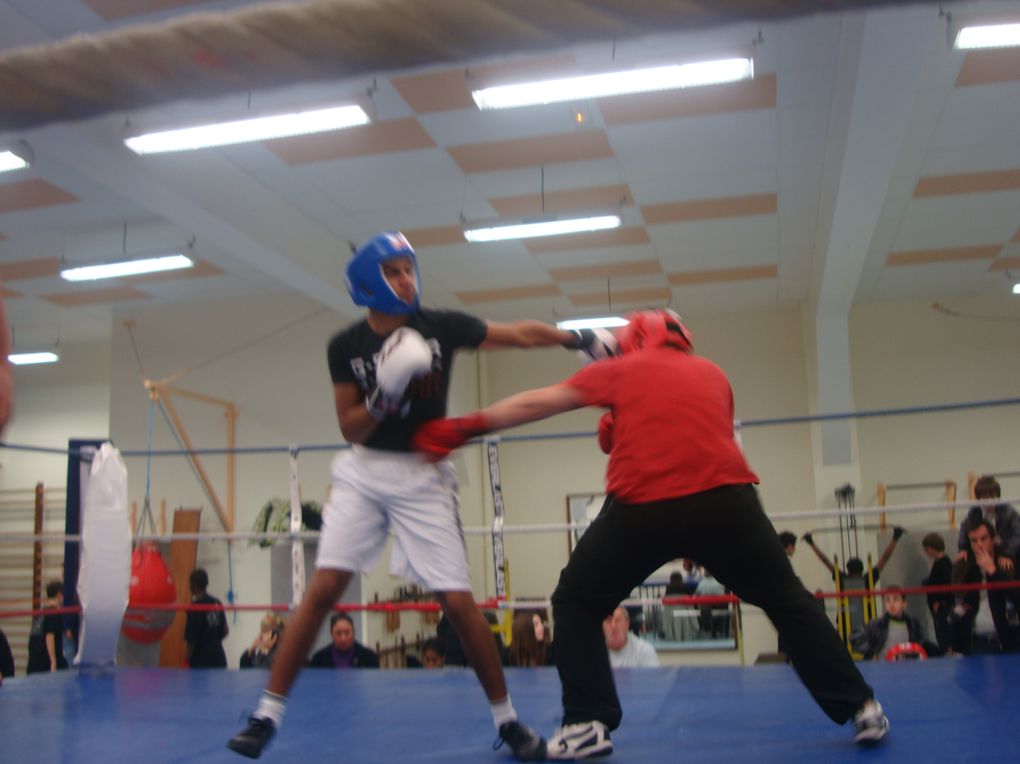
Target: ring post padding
point(498, 511)
point(297, 546)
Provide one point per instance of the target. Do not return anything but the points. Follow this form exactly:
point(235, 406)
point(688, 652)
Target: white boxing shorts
point(376, 491)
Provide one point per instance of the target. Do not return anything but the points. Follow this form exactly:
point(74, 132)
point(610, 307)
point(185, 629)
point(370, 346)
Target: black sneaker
point(526, 744)
point(252, 739)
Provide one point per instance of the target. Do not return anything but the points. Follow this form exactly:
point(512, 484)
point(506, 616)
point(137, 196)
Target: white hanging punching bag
point(105, 559)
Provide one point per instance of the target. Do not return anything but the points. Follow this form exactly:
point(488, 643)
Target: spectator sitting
point(432, 654)
point(692, 575)
point(626, 650)
point(344, 652)
point(205, 630)
point(1003, 518)
point(982, 625)
point(529, 644)
point(940, 605)
point(715, 619)
point(895, 627)
point(454, 651)
point(676, 586)
point(789, 542)
point(854, 577)
point(46, 639)
point(263, 649)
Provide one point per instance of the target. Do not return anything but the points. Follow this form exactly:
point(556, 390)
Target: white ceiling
point(866, 107)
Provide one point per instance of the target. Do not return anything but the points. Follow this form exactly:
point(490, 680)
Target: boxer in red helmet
point(678, 487)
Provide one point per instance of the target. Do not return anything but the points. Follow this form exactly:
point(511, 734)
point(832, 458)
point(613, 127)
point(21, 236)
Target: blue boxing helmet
point(366, 282)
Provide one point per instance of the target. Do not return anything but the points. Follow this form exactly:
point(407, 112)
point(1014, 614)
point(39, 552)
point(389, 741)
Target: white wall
point(53, 403)
point(902, 354)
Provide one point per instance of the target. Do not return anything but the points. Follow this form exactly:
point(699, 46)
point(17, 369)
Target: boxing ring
point(938, 708)
point(941, 710)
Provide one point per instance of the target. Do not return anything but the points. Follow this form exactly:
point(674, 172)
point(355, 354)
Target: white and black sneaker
point(870, 723)
point(579, 741)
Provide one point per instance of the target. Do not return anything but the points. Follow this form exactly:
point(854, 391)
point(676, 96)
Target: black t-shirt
point(205, 630)
point(941, 575)
point(352, 352)
point(6, 657)
point(38, 655)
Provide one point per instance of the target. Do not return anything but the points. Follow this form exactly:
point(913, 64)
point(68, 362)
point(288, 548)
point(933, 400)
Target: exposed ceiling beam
point(282, 44)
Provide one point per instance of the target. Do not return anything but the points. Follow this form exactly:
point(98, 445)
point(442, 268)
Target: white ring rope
point(824, 514)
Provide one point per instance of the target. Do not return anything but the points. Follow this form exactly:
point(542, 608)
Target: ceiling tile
point(968, 183)
point(435, 237)
point(532, 152)
point(984, 67)
point(710, 209)
point(724, 274)
point(1005, 263)
point(625, 296)
point(608, 270)
point(927, 256)
point(95, 296)
point(377, 138)
point(32, 195)
point(19, 270)
point(508, 293)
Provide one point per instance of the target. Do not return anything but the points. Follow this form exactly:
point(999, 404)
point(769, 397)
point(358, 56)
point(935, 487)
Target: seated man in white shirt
point(625, 649)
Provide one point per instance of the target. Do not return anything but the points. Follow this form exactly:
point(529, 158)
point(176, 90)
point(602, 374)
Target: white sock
point(271, 706)
point(502, 712)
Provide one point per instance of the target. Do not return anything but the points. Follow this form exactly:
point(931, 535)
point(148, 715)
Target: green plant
point(274, 517)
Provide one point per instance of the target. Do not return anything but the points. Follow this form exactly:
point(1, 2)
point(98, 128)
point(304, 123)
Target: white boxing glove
point(596, 344)
point(404, 356)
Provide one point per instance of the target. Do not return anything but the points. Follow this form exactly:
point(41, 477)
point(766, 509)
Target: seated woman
point(530, 643)
point(263, 649)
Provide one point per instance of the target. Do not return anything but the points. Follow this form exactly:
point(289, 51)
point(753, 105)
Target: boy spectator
point(205, 629)
point(46, 639)
point(1003, 518)
point(940, 605)
point(982, 624)
point(895, 627)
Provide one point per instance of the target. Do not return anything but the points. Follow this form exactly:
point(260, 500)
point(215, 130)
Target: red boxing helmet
point(654, 328)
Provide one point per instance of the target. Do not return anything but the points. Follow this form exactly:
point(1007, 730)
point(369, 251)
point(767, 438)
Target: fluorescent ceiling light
point(23, 359)
point(248, 130)
point(543, 228)
point(599, 322)
point(127, 268)
point(11, 161)
point(990, 36)
point(615, 83)
point(1016, 289)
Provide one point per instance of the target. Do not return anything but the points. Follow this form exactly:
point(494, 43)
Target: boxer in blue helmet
point(391, 372)
point(366, 282)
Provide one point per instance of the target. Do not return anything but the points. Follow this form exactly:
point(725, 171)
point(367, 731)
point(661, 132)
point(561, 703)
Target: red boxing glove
point(438, 437)
point(606, 432)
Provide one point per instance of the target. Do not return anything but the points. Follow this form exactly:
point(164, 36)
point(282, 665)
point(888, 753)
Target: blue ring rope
point(906, 410)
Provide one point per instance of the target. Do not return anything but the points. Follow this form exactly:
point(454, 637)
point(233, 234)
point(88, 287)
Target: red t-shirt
point(672, 424)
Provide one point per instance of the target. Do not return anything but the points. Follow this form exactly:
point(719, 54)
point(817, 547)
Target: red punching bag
point(151, 584)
